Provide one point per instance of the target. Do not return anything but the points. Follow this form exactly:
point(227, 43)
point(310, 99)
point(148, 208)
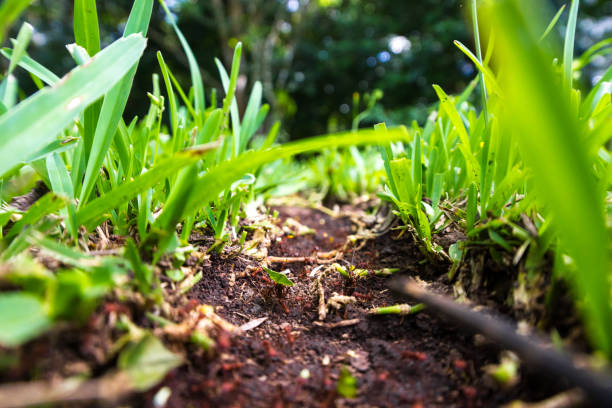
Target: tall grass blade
point(9, 11)
point(552, 23)
point(87, 36)
point(210, 185)
point(568, 47)
point(483, 88)
point(55, 108)
point(62, 184)
point(86, 31)
point(114, 103)
point(552, 145)
point(196, 76)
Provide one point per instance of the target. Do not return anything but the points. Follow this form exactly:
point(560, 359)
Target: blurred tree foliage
point(312, 56)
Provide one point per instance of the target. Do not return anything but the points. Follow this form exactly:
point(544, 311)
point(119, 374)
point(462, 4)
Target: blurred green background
point(312, 56)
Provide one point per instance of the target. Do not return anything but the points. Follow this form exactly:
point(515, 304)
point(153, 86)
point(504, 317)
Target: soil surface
point(302, 346)
point(294, 359)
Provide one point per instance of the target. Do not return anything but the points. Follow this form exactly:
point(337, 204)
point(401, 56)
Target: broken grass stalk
point(401, 309)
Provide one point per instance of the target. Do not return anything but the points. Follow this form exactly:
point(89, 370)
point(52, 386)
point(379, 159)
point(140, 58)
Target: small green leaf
point(347, 384)
point(455, 251)
point(499, 240)
point(278, 277)
point(147, 362)
point(23, 318)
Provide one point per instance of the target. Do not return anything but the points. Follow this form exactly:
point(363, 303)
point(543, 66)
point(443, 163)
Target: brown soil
point(293, 359)
point(410, 361)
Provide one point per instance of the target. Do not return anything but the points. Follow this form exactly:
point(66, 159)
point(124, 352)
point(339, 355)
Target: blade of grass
point(194, 69)
point(61, 183)
point(125, 192)
point(170, 91)
point(33, 67)
point(568, 48)
point(483, 88)
point(55, 108)
point(86, 31)
point(220, 178)
point(464, 146)
point(19, 49)
point(87, 35)
point(9, 11)
point(48, 204)
point(114, 103)
point(551, 145)
point(552, 23)
point(229, 103)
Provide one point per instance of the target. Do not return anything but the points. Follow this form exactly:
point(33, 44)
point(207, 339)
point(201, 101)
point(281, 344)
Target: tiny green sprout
point(202, 340)
point(243, 238)
point(347, 384)
point(506, 372)
point(351, 271)
point(386, 271)
point(278, 277)
point(158, 102)
point(402, 309)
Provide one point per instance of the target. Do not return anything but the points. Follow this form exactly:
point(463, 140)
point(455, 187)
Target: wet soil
point(296, 356)
point(292, 359)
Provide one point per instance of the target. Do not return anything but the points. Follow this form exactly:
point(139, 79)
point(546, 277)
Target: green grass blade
point(33, 67)
point(114, 104)
point(127, 191)
point(19, 50)
point(110, 115)
point(250, 121)
point(211, 129)
point(464, 146)
point(55, 108)
point(487, 74)
point(472, 204)
point(48, 204)
point(483, 87)
point(552, 23)
point(603, 47)
point(209, 186)
point(552, 146)
point(87, 36)
point(86, 31)
point(406, 190)
point(9, 11)
point(568, 47)
point(229, 103)
point(387, 155)
point(62, 184)
point(139, 18)
point(8, 91)
point(196, 76)
point(170, 91)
